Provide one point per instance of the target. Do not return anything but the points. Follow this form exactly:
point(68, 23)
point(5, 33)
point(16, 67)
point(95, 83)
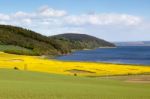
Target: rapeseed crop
point(36, 63)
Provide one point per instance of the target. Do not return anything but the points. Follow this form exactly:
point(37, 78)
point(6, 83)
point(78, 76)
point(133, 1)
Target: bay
point(120, 54)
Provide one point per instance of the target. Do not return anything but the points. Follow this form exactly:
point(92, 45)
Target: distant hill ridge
point(43, 45)
point(134, 43)
point(83, 41)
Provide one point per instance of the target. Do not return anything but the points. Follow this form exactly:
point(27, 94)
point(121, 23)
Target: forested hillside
point(43, 45)
point(10, 35)
point(83, 41)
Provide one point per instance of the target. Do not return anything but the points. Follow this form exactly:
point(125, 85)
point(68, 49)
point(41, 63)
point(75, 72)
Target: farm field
point(34, 77)
point(12, 47)
point(16, 50)
point(34, 63)
point(15, 84)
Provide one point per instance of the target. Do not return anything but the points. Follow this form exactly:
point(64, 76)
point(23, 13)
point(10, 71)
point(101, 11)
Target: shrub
point(16, 68)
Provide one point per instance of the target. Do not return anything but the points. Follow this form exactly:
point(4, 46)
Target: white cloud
point(103, 19)
point(45, 11)
point(4, 17)
point(20, 14)
point(27, 21)
point(50, 16)
point(48, 20)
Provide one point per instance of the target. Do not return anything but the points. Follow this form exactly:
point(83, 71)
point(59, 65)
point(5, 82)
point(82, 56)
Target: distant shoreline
point(92, 48)
point(108, 47)
point(100, 62)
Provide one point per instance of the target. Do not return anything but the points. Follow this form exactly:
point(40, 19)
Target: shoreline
point(108, 47)
point(92, 48)
point(101, 62)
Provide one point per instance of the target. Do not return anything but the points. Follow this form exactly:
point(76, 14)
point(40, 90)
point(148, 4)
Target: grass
point(16, 50)
point(15, 84)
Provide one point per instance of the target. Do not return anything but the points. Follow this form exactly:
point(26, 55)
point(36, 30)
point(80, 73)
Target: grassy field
point(15, 84)
point(34, 63)
point(16, 50)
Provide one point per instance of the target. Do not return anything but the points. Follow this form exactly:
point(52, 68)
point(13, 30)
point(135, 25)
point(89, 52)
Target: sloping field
point(33, 63)
point(16, 50)
point(16, 84)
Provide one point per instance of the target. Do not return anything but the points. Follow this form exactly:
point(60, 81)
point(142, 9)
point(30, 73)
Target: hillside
point(38, 44)
point(83, 41)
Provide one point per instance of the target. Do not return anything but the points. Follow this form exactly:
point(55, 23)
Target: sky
point(112, 20)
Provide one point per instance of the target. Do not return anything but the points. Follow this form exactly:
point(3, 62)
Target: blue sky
point(79, 6)
point(113, 20)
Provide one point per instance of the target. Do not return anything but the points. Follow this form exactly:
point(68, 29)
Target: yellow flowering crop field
point(35, 63)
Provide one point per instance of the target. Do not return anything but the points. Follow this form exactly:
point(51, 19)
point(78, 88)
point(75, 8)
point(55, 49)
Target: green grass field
point(16, 84)
point(16, 50)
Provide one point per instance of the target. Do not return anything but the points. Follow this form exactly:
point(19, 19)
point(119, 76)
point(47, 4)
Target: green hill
point(39, 44)
point(28, 42)
point(83, 41)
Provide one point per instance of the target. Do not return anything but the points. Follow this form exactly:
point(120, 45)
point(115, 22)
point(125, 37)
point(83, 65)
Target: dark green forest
point(37, 44)
point(82, 41)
